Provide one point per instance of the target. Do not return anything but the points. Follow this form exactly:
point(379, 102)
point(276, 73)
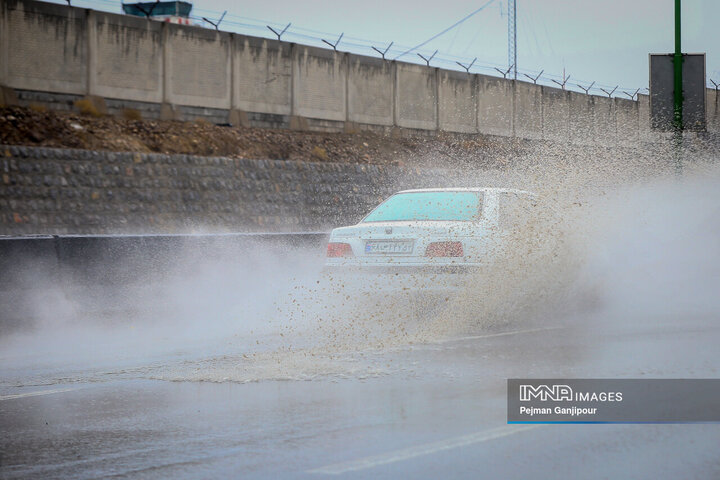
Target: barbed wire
point(362, 46)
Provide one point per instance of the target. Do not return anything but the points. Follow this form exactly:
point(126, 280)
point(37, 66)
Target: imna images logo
point(554, 393)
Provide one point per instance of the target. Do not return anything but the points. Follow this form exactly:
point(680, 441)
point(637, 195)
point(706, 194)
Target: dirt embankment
point(38, 127)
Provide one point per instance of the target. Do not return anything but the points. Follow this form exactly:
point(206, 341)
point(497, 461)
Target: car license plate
point(389, 247)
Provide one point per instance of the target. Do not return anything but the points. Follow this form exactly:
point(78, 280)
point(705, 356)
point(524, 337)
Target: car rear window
point(428, 206)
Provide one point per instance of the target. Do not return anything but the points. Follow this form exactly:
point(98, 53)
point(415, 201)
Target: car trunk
point(401, 242)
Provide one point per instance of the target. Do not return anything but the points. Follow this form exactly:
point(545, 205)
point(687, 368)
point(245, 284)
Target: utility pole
point(677, 65)
point(512, 36)
point(678, 92)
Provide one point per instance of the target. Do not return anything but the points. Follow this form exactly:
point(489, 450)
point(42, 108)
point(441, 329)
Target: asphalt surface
point(429, 410)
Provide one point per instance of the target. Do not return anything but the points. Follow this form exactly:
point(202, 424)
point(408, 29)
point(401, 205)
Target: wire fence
point(388, 49)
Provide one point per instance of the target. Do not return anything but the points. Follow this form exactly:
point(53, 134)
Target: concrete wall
point(45, 47)
point(643, 105)
point(713, 110)
point(604, 120)
point(198, 66)
point(457, 93)
point(53, 55)
point(627, 117)
point(415, 96)
point(495, 106)
point(129, 58)
point(556, 114)
point(262, 72)
point(528, 110)
point(370, 91)
point(319, 83)
point(581, 117)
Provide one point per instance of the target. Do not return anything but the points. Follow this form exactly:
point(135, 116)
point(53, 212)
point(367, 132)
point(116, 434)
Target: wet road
point(434, 410)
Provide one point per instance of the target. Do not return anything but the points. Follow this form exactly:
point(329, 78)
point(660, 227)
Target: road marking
point(502, 334)
point(420, 450)
point(35, 394)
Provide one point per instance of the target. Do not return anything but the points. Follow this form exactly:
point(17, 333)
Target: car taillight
point(444, 249)
point(337, 249)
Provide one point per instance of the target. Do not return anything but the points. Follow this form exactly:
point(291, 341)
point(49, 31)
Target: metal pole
point(512, 39)
point(515, 38)
point(678, 93)
point(677, 64)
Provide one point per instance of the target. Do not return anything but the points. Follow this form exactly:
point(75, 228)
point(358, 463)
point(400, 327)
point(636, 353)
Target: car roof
point(470, 189)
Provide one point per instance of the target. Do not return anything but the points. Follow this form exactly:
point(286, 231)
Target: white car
point(428, 231)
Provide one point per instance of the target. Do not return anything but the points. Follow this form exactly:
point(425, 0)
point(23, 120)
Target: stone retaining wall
point(56, 191)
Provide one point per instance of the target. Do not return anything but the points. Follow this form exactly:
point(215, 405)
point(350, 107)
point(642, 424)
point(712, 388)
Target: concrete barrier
point(197, 62)
point(45, 47)
point(495, 107)
point(645, 133)
point(416, 97)
point(127, 259)
point(556, 114)
point(528, 110)
point(713, 110)
point(23, 260)
point(129, 58)
point(627, 115)
point(262, 76)
point(457, 94)
point(54, 55)
point(604, 121)
point(370, 101)
point(45, 279)
point(581, 119)
point(319, 84)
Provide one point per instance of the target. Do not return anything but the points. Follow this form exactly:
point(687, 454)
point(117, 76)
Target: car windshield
point(428, 206)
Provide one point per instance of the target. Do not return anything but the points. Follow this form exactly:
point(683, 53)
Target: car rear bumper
point(416, 269)
point(402, 278)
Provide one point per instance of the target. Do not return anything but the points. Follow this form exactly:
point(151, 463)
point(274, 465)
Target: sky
point(602, 41)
